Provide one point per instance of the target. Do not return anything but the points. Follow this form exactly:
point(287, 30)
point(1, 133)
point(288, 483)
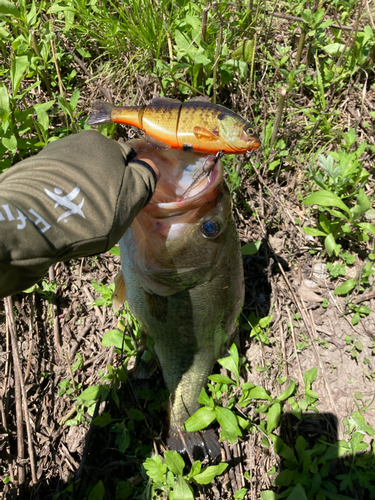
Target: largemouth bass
point(182, 267)
point(195, 125)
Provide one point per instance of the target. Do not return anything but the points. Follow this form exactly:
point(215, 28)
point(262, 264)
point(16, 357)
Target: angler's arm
point(75, 198)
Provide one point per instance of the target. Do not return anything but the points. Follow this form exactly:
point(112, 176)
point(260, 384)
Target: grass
point(303, 73)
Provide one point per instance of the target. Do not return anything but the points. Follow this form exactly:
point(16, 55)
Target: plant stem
point(278, 115)
point(217, 54)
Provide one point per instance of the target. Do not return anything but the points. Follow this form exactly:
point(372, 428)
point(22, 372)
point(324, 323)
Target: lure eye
point(250, 130)
point(210, 228)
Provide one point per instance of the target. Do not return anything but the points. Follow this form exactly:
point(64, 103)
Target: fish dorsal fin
point(161, 100)
point(204, 134)
point(202, 98)
point(119, 295)
point(154, 143)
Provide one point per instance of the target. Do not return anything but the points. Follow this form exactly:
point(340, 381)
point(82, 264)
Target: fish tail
point(200, 444)
point(101, 113)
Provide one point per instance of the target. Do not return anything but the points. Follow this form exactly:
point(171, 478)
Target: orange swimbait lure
point(195, 125)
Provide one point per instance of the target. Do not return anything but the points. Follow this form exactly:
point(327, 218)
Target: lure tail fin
point(203, 444)
point(101, 113)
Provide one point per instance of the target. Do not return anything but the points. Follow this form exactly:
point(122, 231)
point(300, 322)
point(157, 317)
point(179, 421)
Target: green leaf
point(239, 495)
point(9, 8)
point(334, 451)
point(231, 362)
point(209, 473)
point(228, 422)
point(326, 199)
point(288, 392)
point(113, 337)
point(174, 462)
point(10, 142)
point(115, 251)
point(155, 468)
point(334, 48)
point(4, 99)
point(251, 248)
point(182, 491)
point(19, 66)
point(298, 493)
point(309, 376)
point(94, 393)
point(273, 417)
point(97, 493)
point(313, 232)
point(221, 379)
point(102, 420)
point(123, 490)
point(201, 419)
point(259, 393)
point(363, 204)
point(74, 99)
point(284, 478)
point(346, 287)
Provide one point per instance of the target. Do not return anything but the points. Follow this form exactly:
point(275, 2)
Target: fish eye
point(250, 130)
point(210, 228)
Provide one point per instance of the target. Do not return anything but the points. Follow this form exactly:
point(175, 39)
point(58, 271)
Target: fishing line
point(207, 169)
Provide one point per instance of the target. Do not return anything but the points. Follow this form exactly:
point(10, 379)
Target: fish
point(182, 277)
point(196, 125)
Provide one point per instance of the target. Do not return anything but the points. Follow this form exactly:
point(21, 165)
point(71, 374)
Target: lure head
point(238, 134)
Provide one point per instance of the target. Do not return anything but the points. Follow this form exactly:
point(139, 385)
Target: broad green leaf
point(370, 214)
point(309, 376)
point(273, 417)
point(363, 204)
point(269, 495)
point(200, 419)
point(288, 392)
point(174, 462)
point(204, 398)
point(334, 48)
point(313, 232)
point(94, 393)
point(326, 199)
point(228, 422)
point(123, 490)
point(244, 51)
point(331, 246)
point(284, 478)
point(259, 393)
point(298, 493)
point(283, 449)
point(97, 493)
point(221, 379)
point(181, 491)
point(155, 468)
point(19, 66)
point(231, 362)
point(102, 420)
point(115, 251)
point(251, 248)
point(74, 99)
point(334, 451)
point(209, 473)
point(366, 227)
point(113, 337)
point(10, 142)
point(4, 98)
point(346, 287)
point(43, 119)
point(9, 8)
point(195, 469)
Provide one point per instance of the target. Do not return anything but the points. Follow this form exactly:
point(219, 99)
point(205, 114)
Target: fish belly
point(189, 328)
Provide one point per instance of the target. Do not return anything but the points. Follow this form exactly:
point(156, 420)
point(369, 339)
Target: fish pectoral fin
point(161, 100)
point(152, 142)
point(119, 295)
point(203, 133)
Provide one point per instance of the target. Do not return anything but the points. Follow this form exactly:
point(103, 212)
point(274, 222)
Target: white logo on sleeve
point(66, 202)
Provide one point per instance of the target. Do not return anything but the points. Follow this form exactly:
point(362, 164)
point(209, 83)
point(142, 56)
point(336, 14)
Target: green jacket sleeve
point(75, 198)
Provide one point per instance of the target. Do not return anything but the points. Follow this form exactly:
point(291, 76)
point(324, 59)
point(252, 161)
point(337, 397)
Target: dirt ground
point(283, 279)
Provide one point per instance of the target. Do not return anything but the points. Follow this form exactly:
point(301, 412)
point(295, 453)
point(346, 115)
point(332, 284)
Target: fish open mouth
point(186, 181)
